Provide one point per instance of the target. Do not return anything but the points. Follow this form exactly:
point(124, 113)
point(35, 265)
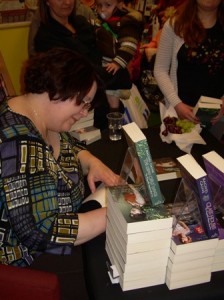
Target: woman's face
point(61, 115)
point(60, 9)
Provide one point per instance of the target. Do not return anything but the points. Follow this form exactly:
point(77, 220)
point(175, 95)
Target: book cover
point(220, 223)
point(197, 180)
point(214, 165)
point(188, 234)
point(199, 244)
point(144, 168)
point(166, 168)
point(129, 204)
point(206, 109)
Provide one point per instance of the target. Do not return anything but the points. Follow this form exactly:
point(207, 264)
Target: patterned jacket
point(39, 195)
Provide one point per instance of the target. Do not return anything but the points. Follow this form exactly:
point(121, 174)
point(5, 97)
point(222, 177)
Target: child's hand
point(112, 67)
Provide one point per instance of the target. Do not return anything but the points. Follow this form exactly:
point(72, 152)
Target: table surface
point(95, 257)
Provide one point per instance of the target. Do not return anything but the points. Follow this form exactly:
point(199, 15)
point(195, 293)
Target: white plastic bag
point(183, 141)
point(135, 109)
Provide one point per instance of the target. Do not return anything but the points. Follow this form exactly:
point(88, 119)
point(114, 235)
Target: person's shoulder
point(133, 13)
point(168, 26)
point(129, 13)
point(132, 17)
point(81, 20)
point(85, 11)
point(12, 124)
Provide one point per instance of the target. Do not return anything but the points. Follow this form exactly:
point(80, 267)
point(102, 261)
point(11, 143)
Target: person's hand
point(98, 171)
point(185, 111)
point(220, 114)
point(112, 67)
point(143, 46)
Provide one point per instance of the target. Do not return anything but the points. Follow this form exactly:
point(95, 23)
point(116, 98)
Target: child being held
point(118, 34)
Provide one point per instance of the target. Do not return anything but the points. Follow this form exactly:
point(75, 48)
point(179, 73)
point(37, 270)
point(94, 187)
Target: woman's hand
point(97, 171)
point(185, 111)
point(100, 172)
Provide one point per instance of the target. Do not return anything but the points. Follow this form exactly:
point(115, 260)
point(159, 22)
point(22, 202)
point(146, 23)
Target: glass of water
point(115, 122)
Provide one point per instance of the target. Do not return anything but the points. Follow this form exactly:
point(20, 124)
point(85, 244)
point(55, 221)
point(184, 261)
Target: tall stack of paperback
point(214, 165)
point(139, 227)
point(195, 234)
point(137, 237)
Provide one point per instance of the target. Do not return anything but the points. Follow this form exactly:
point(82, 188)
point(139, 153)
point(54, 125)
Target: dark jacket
point(54, 34)
point(83, 41)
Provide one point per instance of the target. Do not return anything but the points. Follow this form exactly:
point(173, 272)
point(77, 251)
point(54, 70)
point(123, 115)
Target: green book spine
point(149, 173)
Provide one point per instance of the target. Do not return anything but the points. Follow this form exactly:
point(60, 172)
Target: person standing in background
point(80, 9)
point(62, 27)
point(190, 58)
point(118, 37)
point(149, 49)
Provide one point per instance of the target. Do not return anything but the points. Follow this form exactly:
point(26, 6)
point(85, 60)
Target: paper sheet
point(99, 195)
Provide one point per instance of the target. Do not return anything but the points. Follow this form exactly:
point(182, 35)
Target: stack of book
point(137, 237)
point(83, 130)
point(195, 234)
point(190, 263)
point(214, 165)
point(218, 261)
point(206, 109)
point(139, 227)
point(84, 122)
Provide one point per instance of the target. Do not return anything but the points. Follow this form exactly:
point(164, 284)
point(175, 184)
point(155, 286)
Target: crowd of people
point(108, 37)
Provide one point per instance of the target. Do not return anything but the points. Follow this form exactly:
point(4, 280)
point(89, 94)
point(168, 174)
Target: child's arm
point(129, 37)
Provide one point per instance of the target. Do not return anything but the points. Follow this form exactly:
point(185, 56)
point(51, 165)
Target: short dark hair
point(62, 73)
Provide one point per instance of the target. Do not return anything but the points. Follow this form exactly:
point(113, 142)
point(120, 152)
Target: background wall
point(14, 49)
